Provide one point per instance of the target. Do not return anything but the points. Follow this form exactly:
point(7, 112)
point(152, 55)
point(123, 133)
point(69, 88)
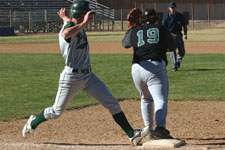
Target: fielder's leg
point(159, 91)
point(147, 107)
point(147, 104)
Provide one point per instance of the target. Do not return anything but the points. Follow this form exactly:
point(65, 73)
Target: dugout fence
point(34, 16)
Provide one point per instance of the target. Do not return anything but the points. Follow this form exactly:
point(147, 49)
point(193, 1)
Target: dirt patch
point(200, 124)
point(108, 47)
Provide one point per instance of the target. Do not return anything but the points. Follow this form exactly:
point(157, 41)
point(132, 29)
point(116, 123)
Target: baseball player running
point(150, 42)
point(77, 74)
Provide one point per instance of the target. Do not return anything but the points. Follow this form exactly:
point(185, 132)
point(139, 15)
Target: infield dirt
point(109, 48)
point(200, 124)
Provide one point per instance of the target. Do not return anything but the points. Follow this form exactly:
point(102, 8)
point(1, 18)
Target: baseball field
point(29, 71)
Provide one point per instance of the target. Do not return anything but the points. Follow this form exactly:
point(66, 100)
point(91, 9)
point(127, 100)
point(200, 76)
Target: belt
point(81, 70)
point(155, 59)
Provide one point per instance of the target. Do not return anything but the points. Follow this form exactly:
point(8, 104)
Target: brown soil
point(200, 124)
point(108, 47)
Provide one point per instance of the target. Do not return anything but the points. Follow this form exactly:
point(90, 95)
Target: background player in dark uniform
point(150, 42)
point(174, 21)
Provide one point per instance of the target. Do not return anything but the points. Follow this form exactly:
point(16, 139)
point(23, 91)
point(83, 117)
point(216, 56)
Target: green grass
point(206, 35)
point(194, 35)
point(29, 82)
point(201, 77)
point(39, 38)
point(53, 38)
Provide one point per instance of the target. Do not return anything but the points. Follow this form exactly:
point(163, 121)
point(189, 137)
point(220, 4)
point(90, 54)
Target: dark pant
point(181, 50)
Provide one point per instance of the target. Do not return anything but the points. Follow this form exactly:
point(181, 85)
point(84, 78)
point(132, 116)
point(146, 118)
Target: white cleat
point(149, 135)
point(27, 129)
point(139, 134)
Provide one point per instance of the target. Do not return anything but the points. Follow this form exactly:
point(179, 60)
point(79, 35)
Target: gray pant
point(181, 50)
point(71, 83)
point(151, 81)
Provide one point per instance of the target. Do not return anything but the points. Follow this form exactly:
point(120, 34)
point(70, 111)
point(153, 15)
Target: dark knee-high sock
point(121, 120)
point(39, 119)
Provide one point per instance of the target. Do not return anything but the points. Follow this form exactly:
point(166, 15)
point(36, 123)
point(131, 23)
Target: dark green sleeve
point(68, 24)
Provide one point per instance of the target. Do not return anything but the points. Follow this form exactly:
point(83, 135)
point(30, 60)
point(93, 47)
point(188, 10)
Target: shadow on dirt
point(83, 144)
point(208, 139)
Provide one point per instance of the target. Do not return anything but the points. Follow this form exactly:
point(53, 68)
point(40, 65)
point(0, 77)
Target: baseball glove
point(134, 18)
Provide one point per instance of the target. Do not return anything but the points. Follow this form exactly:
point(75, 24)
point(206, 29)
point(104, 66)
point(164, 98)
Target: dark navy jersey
point(149, 41)
point(174, 22)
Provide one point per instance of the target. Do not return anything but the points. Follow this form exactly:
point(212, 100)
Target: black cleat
point(174, 69)
point(161, 133)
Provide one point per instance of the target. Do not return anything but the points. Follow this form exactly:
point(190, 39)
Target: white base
point(163, 143)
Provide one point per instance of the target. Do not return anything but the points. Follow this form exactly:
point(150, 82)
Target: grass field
point(28, 82)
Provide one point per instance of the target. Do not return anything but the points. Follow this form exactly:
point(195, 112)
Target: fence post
point(192, 11)
point(208, 5)
point(142, 6)
point(112, 20)
point(103, 25)
point(155, 6)
point(100, 22)
point(94, 22)
point(135, 3)
point(113, 24)
point(46, 20)
point(29, 22)
point(108, 20)
point(223, 10)
point(10, 18)
point(121, 14)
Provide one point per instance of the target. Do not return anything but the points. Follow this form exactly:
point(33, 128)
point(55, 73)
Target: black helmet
point(150, 12)
point(78, 8)
point(172, 5)
point(150, 15)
